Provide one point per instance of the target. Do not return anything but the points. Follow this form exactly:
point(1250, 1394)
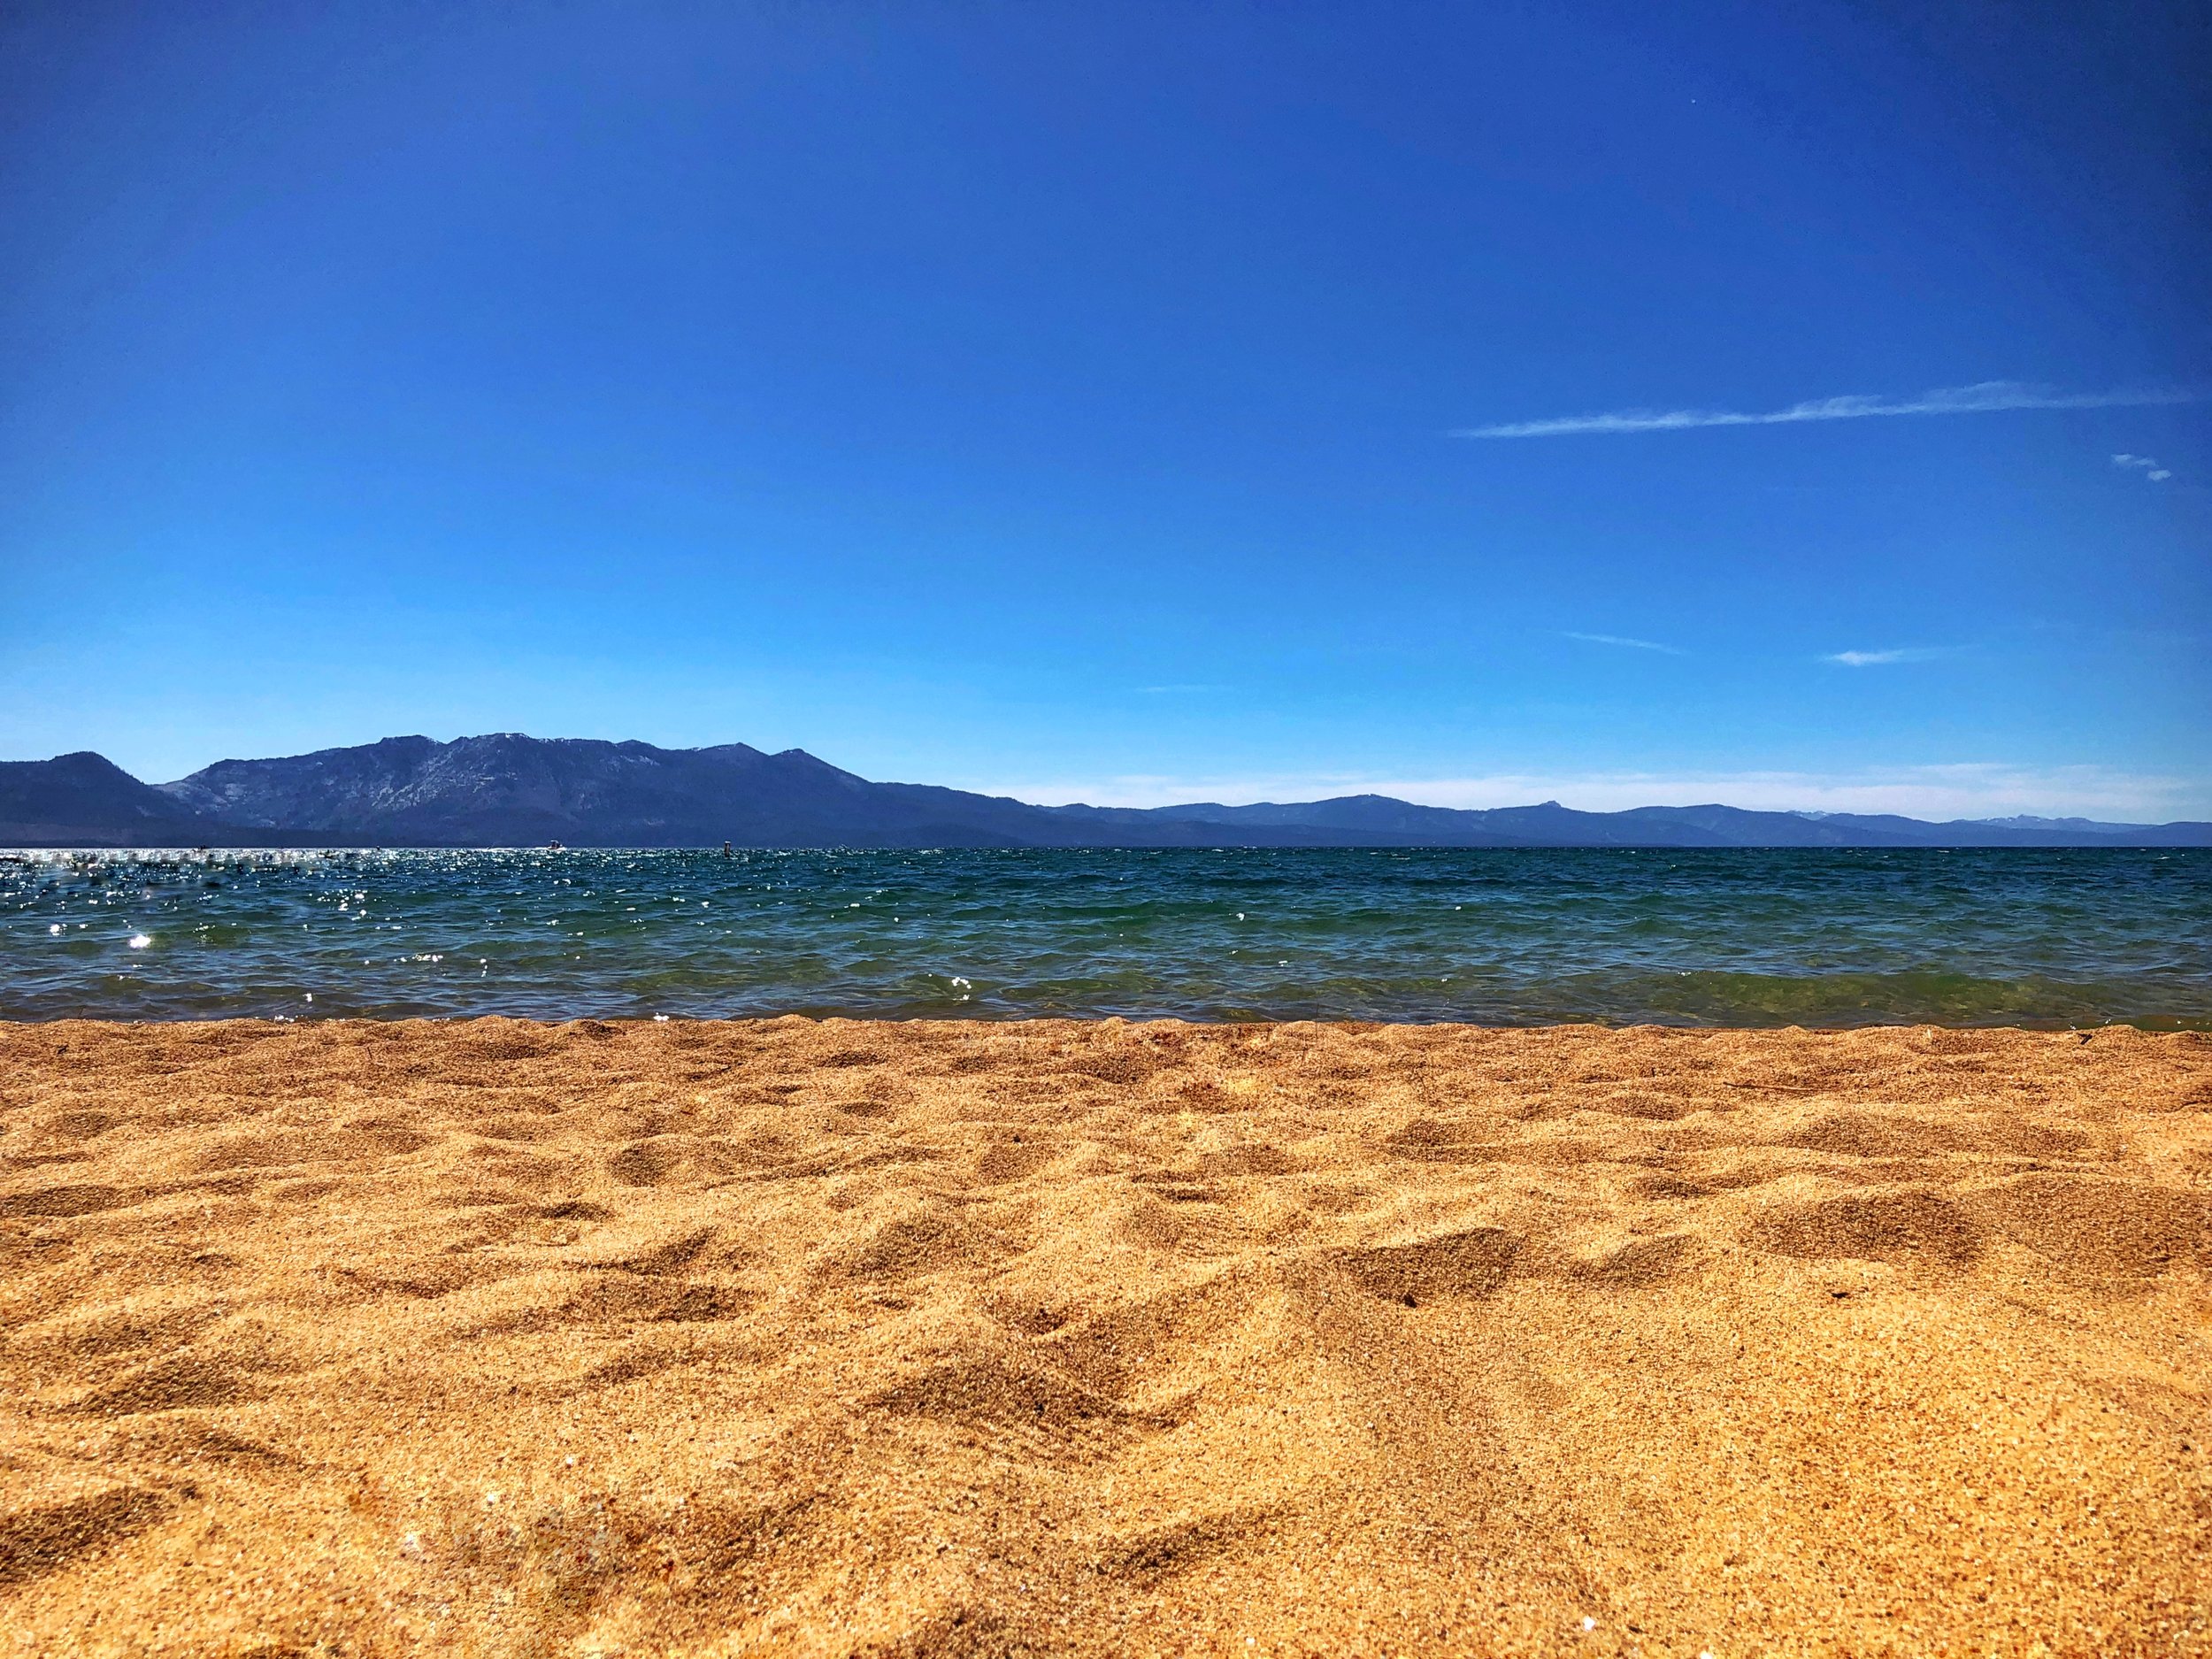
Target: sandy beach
point(802, 1337)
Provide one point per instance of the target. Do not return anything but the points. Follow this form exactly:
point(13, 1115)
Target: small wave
point(1744, 938)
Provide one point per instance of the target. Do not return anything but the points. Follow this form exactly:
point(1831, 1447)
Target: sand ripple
point(964, 1338)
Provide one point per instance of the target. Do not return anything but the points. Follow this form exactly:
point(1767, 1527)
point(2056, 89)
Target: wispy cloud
point(1985, 397)
point(1878, 659)
point(1614, 639)
point(2149, 468)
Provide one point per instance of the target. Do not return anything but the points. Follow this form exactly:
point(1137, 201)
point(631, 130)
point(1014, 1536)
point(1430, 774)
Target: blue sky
point(1073, 399)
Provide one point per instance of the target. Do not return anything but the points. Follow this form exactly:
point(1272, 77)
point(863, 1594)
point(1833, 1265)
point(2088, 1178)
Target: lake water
point(1725, 938)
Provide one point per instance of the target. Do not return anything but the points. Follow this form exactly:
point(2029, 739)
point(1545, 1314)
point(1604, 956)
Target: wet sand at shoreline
point(956, 1338)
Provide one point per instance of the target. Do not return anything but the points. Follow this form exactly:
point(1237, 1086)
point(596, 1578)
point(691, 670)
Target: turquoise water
point(1737, 938)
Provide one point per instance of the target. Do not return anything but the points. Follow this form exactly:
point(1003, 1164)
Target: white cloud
point(2150, 469)
point(1983, 398)
point(1876, 659)
point(1964, 789)
point(1614, 639)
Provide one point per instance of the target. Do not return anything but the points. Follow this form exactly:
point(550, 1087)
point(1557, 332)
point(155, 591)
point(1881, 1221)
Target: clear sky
point(1075, 399)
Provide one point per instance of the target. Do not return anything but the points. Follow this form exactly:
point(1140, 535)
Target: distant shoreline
point(183, 850)
point(510, 789)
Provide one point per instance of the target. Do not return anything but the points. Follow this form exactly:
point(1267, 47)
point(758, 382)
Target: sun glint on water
point(1726, 938)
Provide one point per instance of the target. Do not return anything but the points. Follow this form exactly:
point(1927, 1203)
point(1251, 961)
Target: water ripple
point(1824, 937)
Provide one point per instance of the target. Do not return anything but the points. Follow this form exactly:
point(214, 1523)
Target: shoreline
point(977, 1336)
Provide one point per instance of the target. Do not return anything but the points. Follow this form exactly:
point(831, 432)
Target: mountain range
point(509, 790)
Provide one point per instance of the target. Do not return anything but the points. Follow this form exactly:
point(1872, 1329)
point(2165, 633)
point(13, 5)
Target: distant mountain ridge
point(86, 798)
point(509, 789)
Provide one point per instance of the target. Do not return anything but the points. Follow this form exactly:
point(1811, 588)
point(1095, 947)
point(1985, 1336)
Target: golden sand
point(964, 1338)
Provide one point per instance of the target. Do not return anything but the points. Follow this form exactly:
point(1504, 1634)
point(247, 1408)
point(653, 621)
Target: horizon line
point(1957, 792)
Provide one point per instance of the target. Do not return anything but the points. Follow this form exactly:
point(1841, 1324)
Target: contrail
point(1985, 398)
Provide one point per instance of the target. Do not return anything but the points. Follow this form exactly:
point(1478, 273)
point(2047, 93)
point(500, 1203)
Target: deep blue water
point(1737, 938)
